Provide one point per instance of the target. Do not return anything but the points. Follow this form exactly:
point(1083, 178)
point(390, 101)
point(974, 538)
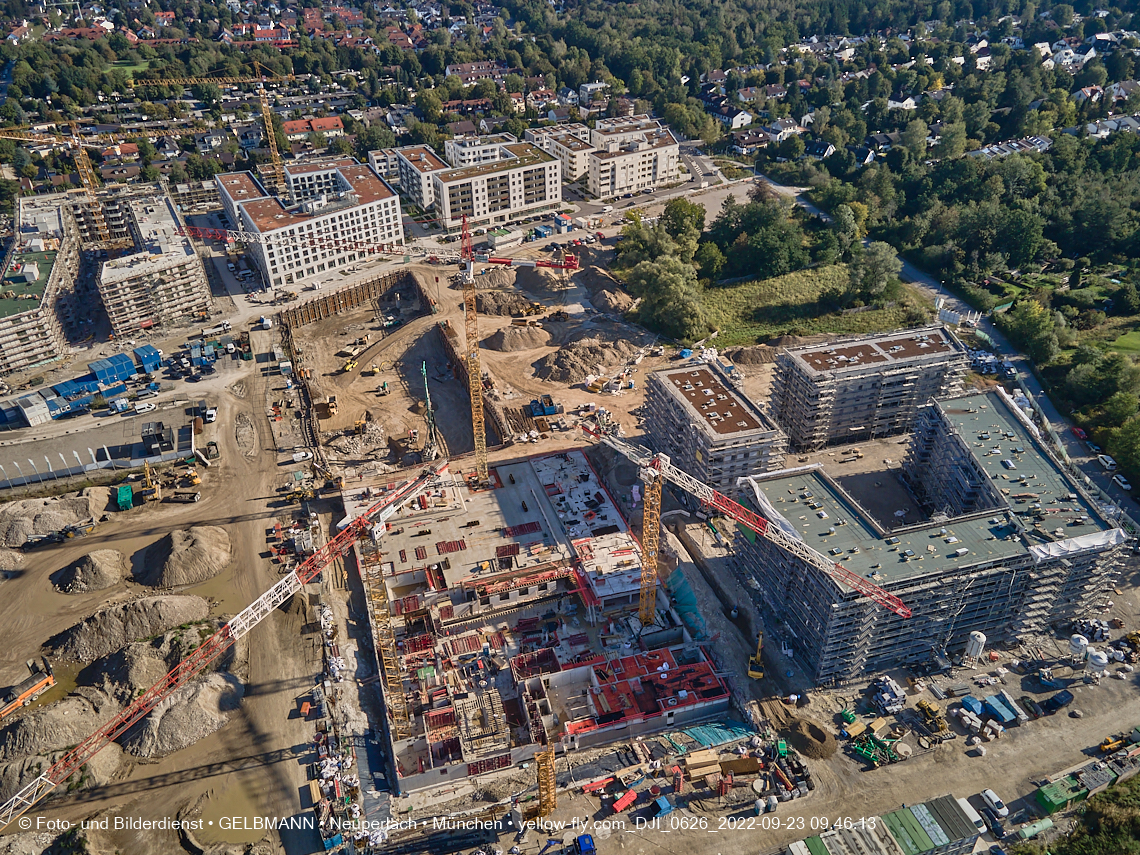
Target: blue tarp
point(718, 733)
point(972, 704)
point(999, 710)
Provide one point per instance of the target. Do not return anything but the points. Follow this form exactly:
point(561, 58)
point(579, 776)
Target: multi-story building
point(524, 181)
point(473, 150)
point(708, 428)
point(38, 281)
point(417, 164)
point(569, 143)
point(163, 281)
point(326, 231)
point(865, 387)
point(386, 164)
point(311, 179)
point(631, 154)
point(1003, 561)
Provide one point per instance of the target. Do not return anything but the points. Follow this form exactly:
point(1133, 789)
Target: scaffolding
point(387, 650)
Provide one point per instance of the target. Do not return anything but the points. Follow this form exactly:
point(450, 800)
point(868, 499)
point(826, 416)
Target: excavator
point(756, 663)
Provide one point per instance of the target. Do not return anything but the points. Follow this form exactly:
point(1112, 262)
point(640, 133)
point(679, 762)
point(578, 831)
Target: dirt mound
point(141, 664)
point(798, 340)
point(191, 713)
point(103, 568)
point(572, 362)
point(25, 517)
point(31, 843)
point(186, 557)
point(596, 279)
point(496, 277)
point(108, 630)
point(811, 740)
point(51, 728)
point(10, 559)
point(15, 775)
point(501, 303)
point(758, 355)
point(515, 338)
point(609, 300)
point(539, 279)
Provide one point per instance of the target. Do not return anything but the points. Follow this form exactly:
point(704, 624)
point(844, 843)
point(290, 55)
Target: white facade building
point(473, 150)
point(329, 230)
point(417, 164)
point(524, 181)
point(569, 143)
point(631, 155)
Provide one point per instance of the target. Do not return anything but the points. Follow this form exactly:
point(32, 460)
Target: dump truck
point(217, 329)
point(212, 452)
point(40, 679)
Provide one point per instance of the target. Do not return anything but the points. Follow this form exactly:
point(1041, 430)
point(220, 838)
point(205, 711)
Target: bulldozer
point(756, 663)
point(932, 717)
point(1114, 743)
point(190, 478)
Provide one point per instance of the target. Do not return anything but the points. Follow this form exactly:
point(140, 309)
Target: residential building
point(386, 164)
point(163, 281)
point(865, 387)
point(569, 143)
point(708, 427)
point(524, 180)
point(587, 92)
point(732, 117)
point(628, 159)
point(472, 72)
point(38, 281)
point(330, 229)
point(311, 179)
point(417, 164)
point(474, 149)
point(978, 558)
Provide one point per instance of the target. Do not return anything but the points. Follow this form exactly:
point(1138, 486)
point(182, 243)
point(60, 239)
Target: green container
point(125, 497)
point(848, 716)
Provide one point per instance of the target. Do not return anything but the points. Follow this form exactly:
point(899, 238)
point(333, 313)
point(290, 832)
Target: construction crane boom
point(474, 373)
point(213, 648)
point(649, 463)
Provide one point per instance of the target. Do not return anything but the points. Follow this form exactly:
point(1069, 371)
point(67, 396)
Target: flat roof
point(162, 246)
point(17, 295)
point(829, 520)
point(887, 349)
point(365, 183)
point(306, 167)
point(570, 141)
point(649, 141)
point(625, 125)
point(712, 402)
point(240, 186)
point(268, 214)
point(422, 158)
point(524, 154)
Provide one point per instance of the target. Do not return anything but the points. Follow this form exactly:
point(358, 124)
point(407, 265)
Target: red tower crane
point(215, 645)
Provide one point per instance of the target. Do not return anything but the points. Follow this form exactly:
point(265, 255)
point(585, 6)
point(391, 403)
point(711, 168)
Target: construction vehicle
point(217, 644)
point(190, 478)
point(932, 717)
point(349, 366)
point(40, 679)
point(654, 468)
point(185, 497)
point(1114, 743)
point(303, 494)
point(332, 407)
point(756, 662)
point(374, 370)
point(212, 452)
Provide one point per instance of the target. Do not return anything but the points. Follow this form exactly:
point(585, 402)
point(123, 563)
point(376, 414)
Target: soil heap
point(501, 303)
point(106, 631)
point(25, 517)
point(514, 338)
point(756, 355)
point(186, 557)
point(611, 300)
point(103, 568)
point(191, 713)
point(574, 361)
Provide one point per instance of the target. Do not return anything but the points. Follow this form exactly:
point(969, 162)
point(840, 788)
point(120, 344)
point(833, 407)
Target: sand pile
point(608, 300)
point(186, 557)
point(495, 277)
point(539, 279)
point(41, 516)
point(10, 559)
point(51, 728)
point(31, 843)
point(573, 362)
point(596, 279)
point(193, 712)
point(103, 568)
point(515, 338)
point(97, 772)
point(811, 740)
point(501, 303)
point(143, 663)
point(758, 355)
point(106, 631)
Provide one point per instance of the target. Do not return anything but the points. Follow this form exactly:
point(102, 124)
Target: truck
point(40, 679)
point(217, 329)
point(186, 496)
point(264, 323)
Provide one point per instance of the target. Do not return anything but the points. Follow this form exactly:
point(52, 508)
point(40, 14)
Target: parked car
point(1107, 462)
point(997, 850)
point(1031, 707)
point(145, 407)
point(1079, 433)
point(995, 804)
point(1058, 701)
point(993, 823)
point(211, 415)
point(1121, 482)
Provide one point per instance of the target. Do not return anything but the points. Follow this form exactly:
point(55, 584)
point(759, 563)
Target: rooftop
point(310, 166)
point(830, 520)
point(625, 125)
point(570, 141)
point(422, 158)
point(240, 186)
point(890, 349)
point(662, 138)
point(712, 402)
point(522, 154)
point(17, 294)
point(162, 246)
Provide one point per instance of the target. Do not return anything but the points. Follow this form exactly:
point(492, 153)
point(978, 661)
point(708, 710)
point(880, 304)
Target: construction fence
point(353, 297)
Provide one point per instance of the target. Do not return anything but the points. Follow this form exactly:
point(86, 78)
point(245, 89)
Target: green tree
point(430, 106)
point(952, 141)
point(845, 228)
point(1031, 327)
point(710, 260)
point(671, 298)
point(913, 139)
point(1119, 408)
point(680, 215)
point(873, 269)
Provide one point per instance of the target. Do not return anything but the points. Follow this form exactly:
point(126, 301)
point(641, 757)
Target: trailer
point(217, 329)
point(40, 679)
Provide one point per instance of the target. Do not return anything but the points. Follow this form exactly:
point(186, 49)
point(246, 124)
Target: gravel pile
point(103, 568)
point(573, 362)
point(608, 300)
point(539, 279)
point(501, 303)
point(51, 728)
point(186, 557)
point(112, 628)
point(514, 338)
point(25, 517)
point(757, 355)
point(811, 740)
point(143, 663)
point(193, 712)
point(10, 559)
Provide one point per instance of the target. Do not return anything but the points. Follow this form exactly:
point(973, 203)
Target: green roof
point(18, 296)
point(906, 830)
point(1061, 793)
point(815, 846)
point(842, 530)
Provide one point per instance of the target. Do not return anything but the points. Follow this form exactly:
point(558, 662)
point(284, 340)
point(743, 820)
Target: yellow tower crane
point(547, 785)
point(650, 542)
point(474, 372)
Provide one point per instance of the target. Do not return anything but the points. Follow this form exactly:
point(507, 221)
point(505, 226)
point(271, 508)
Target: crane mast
point(474, 373)
point(213, 648)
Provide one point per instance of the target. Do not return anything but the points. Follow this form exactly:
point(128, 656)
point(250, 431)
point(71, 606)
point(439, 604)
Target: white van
point(972, 815)
point(1107, 462)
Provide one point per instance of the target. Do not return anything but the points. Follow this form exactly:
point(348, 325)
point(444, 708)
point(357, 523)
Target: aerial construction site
point(451, 553)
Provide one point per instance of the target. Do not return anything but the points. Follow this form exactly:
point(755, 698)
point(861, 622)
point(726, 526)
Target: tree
point(670, 298)
point(874, 268)
point(710, 260)
point(913, 139)
point(845, 228)
point(1031, 327)
point(1119, 408)
point(430, 106)
point(1126, 300)
point(681, 214)
point(952, 141)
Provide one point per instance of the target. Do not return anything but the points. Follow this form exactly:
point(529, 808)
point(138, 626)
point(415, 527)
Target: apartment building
point(417, 164)
point(163, 281)
point(631, 154)
point(38, 282)
point(337, 227)
point(525, 180)
point(696, 416)
point(386, 164)
point(311, 179)
point(569, 143)
point(1000, 562)
point(865, 387)
point(471, 150)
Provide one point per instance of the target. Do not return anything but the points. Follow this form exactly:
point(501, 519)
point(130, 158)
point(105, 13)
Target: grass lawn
point(131, 68)
point(753, 312)
point(1127, 343)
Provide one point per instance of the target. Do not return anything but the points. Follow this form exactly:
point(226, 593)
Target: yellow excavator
point(756, 663)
